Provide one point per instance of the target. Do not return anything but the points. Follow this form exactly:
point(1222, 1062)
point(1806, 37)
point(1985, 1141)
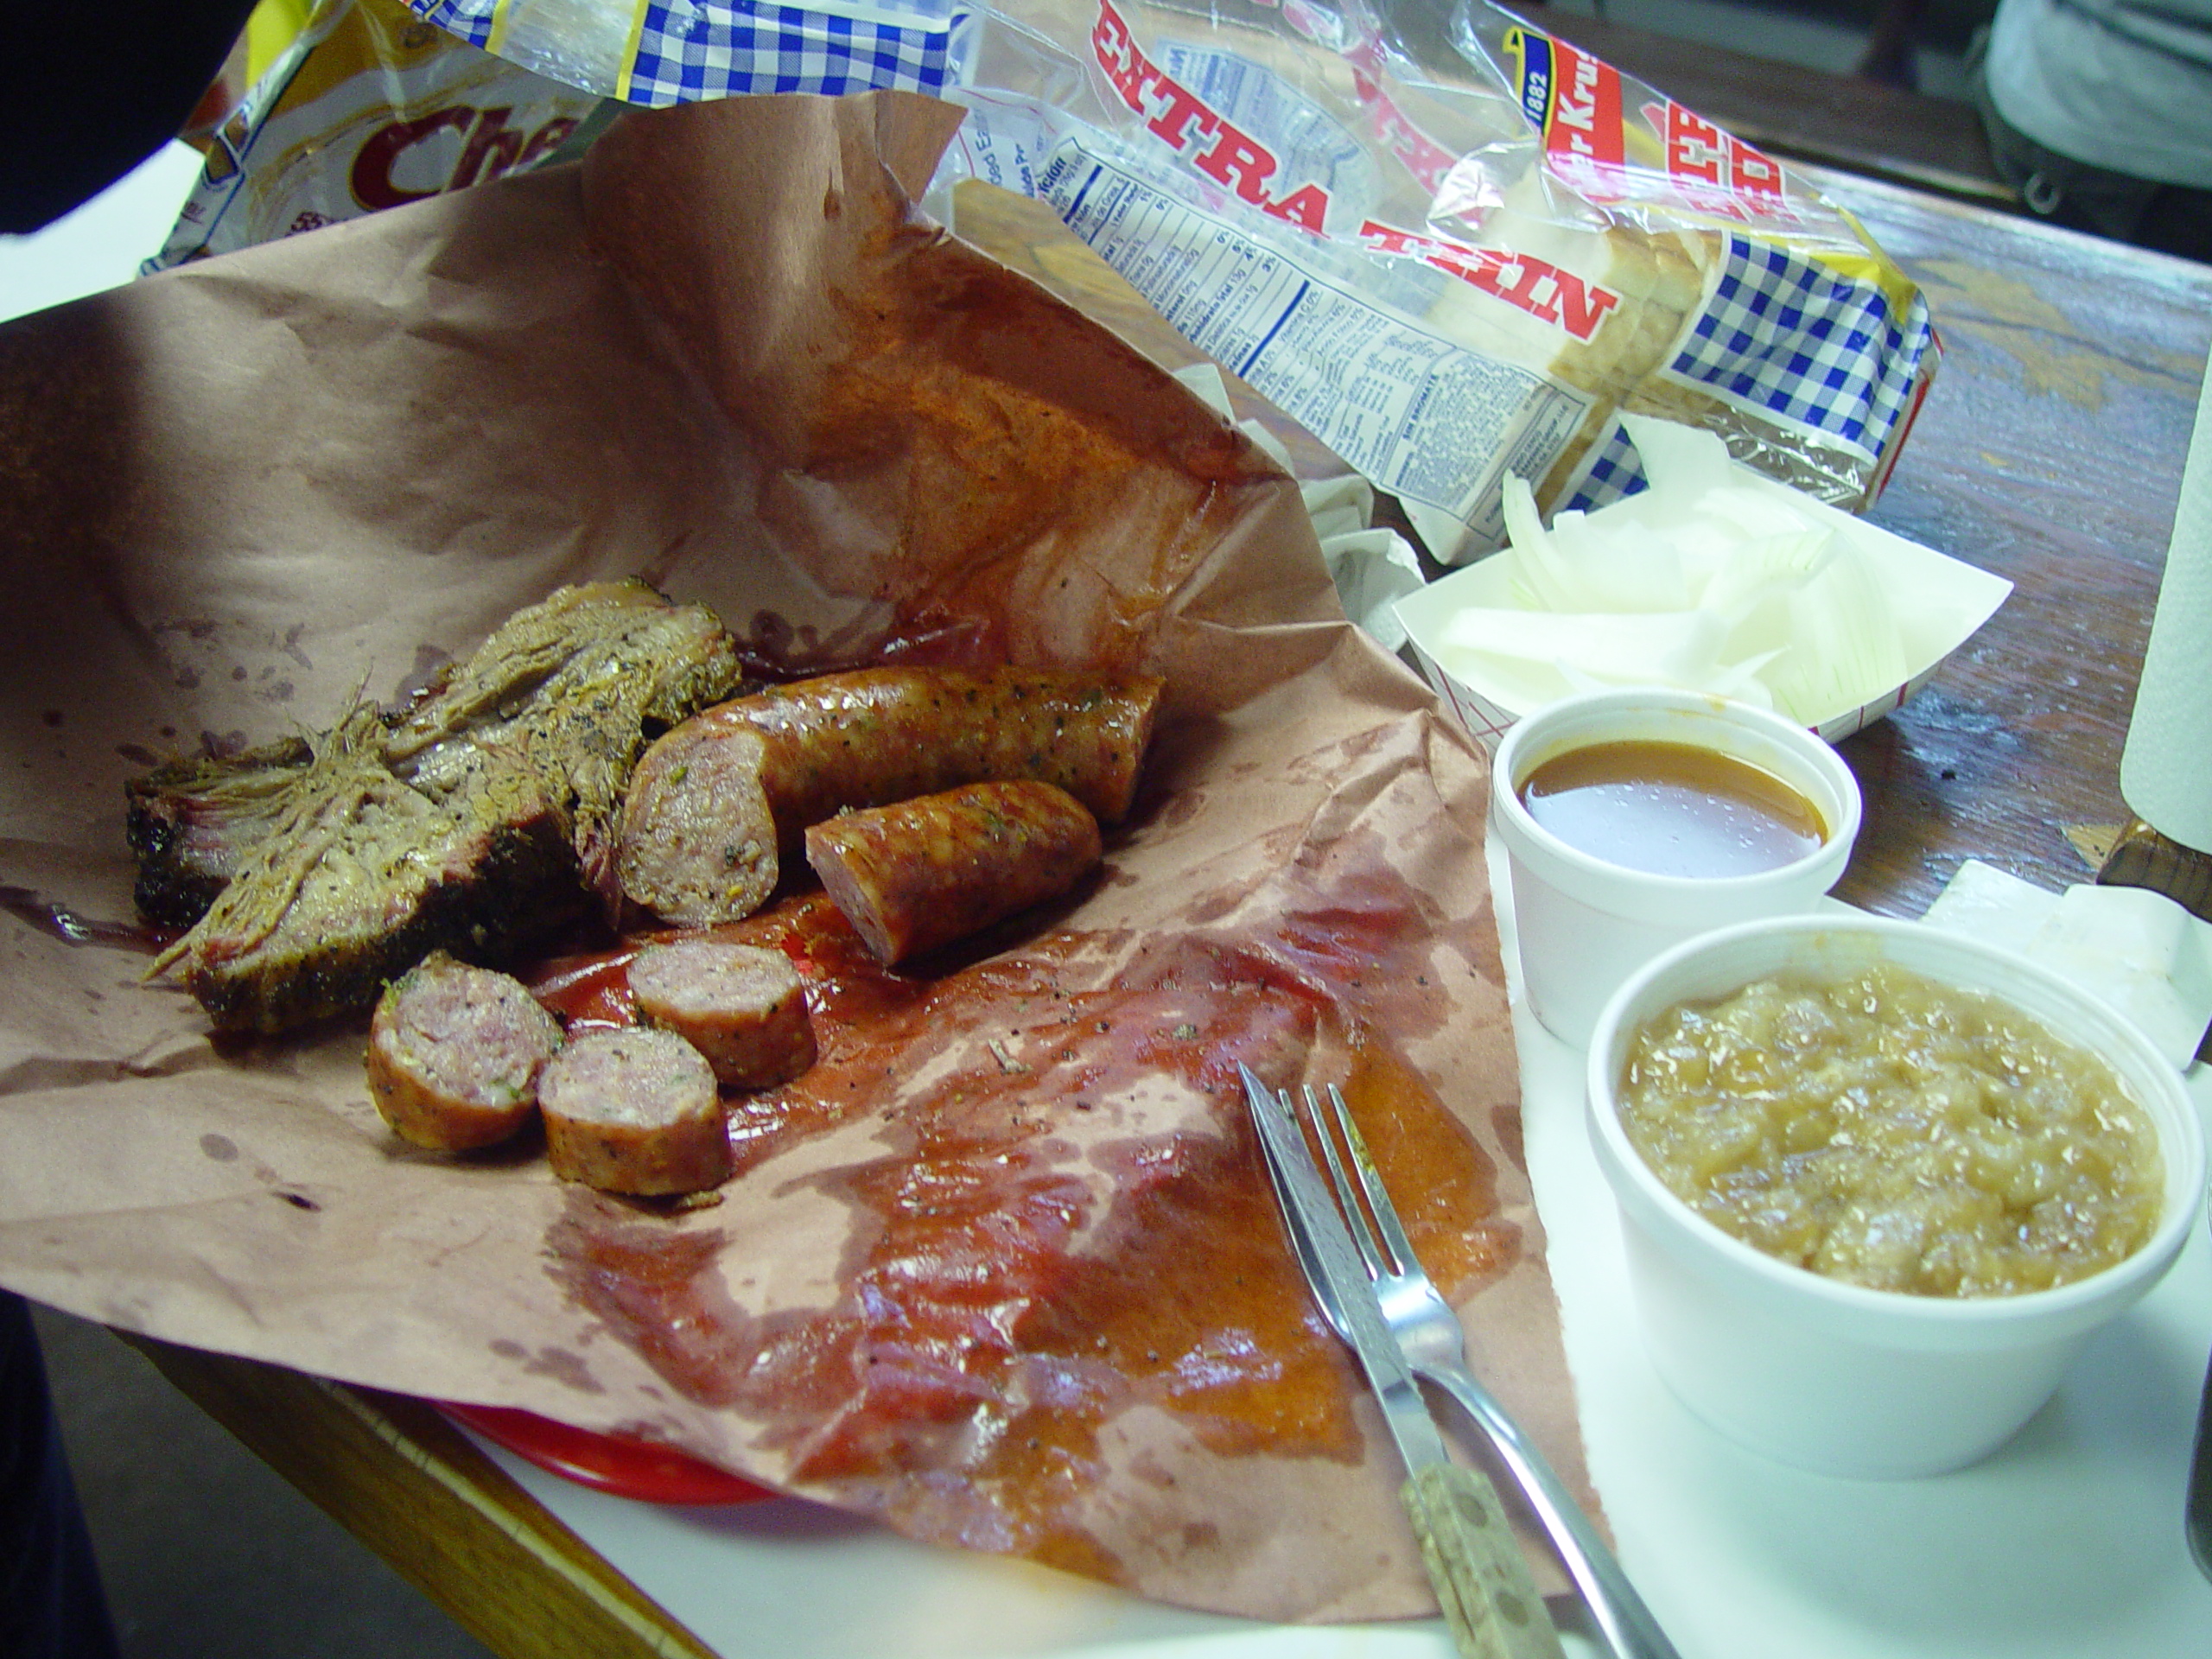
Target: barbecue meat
point(190, 823)
point(477, 821)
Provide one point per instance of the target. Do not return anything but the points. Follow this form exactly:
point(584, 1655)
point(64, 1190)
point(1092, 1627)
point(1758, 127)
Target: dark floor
point(207, 1554)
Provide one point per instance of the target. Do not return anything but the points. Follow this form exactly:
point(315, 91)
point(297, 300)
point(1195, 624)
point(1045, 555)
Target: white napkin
point(2166, 773)
point(2139, 951)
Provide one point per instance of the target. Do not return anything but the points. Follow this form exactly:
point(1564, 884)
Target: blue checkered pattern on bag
point(470, 19)
point(1617, 471)
point(691, 51)
point(1785, 334)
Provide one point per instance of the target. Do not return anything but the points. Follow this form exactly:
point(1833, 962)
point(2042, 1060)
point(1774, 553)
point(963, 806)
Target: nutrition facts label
point(1419, 414)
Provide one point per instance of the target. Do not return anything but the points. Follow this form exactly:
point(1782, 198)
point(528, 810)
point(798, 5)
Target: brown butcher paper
point(729, 356)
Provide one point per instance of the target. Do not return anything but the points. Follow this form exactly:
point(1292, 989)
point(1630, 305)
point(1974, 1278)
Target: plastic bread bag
point(1450, 278)
point(1447, 271)
point(361, 105)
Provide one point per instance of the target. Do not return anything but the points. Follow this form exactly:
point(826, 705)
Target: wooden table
point(401, 1477)
point(2051, 451)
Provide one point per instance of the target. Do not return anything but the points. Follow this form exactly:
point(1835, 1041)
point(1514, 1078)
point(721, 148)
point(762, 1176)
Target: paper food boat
point(1495, 653)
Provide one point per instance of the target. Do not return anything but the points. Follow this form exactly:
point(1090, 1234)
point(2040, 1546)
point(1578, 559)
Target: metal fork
point(1435, 1346)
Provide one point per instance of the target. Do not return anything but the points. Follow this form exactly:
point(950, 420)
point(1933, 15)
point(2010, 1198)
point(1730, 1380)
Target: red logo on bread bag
point(1698, 151)
point(1186, 124)
point(1582, 129)
point(1529, 284)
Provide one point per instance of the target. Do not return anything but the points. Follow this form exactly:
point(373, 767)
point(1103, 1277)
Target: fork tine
point(1347, 1195)
point(1395, 1241)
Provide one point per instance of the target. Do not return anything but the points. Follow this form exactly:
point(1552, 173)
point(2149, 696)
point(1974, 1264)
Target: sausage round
point(742, 1006)
point(696, 843)
point(920, 873)
point(634, 1111)
point(456, 1054)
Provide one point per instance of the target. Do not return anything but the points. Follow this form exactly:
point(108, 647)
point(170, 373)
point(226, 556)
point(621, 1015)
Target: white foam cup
point(1584, 923)
point(1840, 1378)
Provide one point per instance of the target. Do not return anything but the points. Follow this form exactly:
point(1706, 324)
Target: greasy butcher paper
point(728, 356)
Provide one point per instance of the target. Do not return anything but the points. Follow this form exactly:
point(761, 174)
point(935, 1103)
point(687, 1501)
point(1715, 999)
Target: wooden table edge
point(448, 1518)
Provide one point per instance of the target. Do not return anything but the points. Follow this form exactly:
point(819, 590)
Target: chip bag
point(366, 106)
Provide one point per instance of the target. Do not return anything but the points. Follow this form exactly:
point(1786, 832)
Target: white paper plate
point(1939, 601)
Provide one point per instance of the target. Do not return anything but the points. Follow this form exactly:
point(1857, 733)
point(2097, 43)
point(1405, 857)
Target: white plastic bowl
point(1835, 1377)
point(1584, 924)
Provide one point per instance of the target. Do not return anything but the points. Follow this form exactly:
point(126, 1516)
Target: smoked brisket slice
point(190, 823)
point(476, 821)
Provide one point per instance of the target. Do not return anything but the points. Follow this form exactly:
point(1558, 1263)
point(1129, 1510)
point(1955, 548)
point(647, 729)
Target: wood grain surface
point(402, 1478)
point(2050, 451)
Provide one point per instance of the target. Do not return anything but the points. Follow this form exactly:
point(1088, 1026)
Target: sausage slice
point(920, 873)
point(742, 1006)
point(696, 843)
point(634, 1111)
point(455, 1053)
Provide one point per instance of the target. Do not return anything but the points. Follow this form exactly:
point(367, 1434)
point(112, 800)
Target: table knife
point(1474, 1562)
point(2197, 1517)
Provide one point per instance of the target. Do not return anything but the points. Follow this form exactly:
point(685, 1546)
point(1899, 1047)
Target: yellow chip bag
point(366, 106)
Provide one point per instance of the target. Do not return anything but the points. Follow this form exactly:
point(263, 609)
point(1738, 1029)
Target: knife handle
point(1476, 1565)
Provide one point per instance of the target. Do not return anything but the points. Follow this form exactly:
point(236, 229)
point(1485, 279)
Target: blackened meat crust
point(477, 821)
point(190, 822)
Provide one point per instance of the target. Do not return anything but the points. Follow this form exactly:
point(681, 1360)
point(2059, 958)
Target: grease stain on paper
point(1068, 1223)
point(563, 1365)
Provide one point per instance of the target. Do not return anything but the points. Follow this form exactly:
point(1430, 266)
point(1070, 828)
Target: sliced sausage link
point(634, 1111)
point(696, 843)
point(920, 873)
point(718, 803)
point(455, 1053)
point(874, 736)
point(742, 1006)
